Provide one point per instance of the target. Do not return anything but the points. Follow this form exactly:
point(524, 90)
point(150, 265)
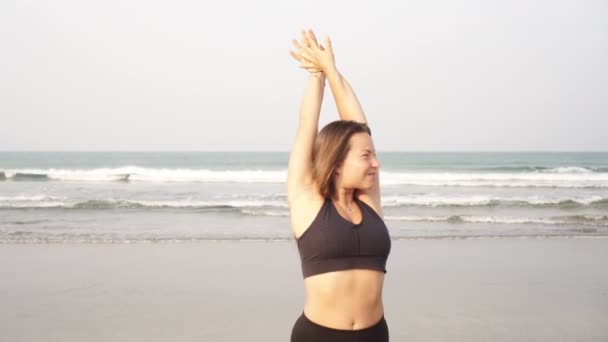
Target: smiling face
point(360, 167)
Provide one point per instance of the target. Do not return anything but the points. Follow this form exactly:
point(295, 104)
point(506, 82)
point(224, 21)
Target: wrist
point(320, 75)
point(331, 71)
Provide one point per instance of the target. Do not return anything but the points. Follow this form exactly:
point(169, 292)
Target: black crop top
point(332, 243)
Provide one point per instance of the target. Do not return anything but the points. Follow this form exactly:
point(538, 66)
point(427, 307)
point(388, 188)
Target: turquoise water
point(177, 196)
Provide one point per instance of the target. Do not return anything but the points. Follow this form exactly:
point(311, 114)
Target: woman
point(336, 215)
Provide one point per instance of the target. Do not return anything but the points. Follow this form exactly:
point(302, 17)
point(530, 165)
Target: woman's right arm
point(299, 173)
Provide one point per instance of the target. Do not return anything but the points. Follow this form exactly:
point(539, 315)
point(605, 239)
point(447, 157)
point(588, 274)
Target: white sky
point(205, 76)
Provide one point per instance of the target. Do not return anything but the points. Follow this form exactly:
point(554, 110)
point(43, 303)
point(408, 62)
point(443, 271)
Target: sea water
point(185, 196)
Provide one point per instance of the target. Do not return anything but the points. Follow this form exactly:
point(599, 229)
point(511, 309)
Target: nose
point(375, 163)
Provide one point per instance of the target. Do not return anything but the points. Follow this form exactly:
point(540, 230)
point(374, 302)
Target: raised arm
point(348, 105)
point(314, 55)
point(299, 173)
point(322, 57)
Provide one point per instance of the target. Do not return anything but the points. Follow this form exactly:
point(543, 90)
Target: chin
point(366, 186)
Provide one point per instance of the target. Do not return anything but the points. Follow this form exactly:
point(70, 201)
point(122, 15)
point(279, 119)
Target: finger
point(312, 36)
point(309, 69)
point(312, 41)
point(296, 44)
point(307, 64)
point(295, 56)
point(304, 57)
point(328, 44)
point(303, 47)
point(305, 40)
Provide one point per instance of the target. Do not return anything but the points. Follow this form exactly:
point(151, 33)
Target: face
point(360, 167)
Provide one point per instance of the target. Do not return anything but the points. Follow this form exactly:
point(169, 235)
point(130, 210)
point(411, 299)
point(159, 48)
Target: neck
point(345, 197)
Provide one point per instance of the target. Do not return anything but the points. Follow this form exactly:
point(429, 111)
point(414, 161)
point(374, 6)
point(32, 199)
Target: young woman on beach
point(336, 215)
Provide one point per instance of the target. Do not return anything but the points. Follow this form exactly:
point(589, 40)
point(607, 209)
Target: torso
point(347, 299)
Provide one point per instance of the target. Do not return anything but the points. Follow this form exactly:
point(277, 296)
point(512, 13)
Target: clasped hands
point(313, 57)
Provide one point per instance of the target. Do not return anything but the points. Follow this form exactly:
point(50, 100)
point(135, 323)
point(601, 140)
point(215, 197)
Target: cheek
point(359, 168)
point(355, 169)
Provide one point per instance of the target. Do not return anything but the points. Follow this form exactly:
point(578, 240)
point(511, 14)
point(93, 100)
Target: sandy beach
point(486, 289)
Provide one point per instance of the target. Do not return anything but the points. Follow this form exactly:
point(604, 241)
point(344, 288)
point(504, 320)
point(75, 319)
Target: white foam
point(278, 201)
point(434, 200)
point(157, 175)
point(32, 201)
point(496, 179)
point(569, 169)
point(31, 198)
point(595, 217)
point(44, 201)
point(563, 177)
point(474, 219)
point(273, 213)
point(204, 204)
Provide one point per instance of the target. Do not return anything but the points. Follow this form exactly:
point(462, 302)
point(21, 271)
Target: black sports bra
point(332, 243)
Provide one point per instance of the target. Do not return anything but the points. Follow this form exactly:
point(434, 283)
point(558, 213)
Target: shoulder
point(371, 202)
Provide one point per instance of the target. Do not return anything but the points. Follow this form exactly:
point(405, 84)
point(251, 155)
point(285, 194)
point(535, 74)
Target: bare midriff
point(345, 300)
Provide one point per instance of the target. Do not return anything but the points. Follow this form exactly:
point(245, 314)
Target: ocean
point(133, 197)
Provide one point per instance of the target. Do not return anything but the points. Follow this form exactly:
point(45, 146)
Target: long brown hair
point(330, 149)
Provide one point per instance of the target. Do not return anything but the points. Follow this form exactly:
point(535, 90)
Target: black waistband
point(375, 325)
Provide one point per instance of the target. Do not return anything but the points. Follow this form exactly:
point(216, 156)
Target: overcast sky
point(432, 75)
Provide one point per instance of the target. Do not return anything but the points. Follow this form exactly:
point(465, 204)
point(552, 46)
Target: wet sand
point(485, 289)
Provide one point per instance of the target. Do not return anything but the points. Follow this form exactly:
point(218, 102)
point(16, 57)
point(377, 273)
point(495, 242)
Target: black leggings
point(305, 330)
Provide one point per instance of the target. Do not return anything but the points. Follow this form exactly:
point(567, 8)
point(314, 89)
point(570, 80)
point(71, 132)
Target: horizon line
point(276, 151)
